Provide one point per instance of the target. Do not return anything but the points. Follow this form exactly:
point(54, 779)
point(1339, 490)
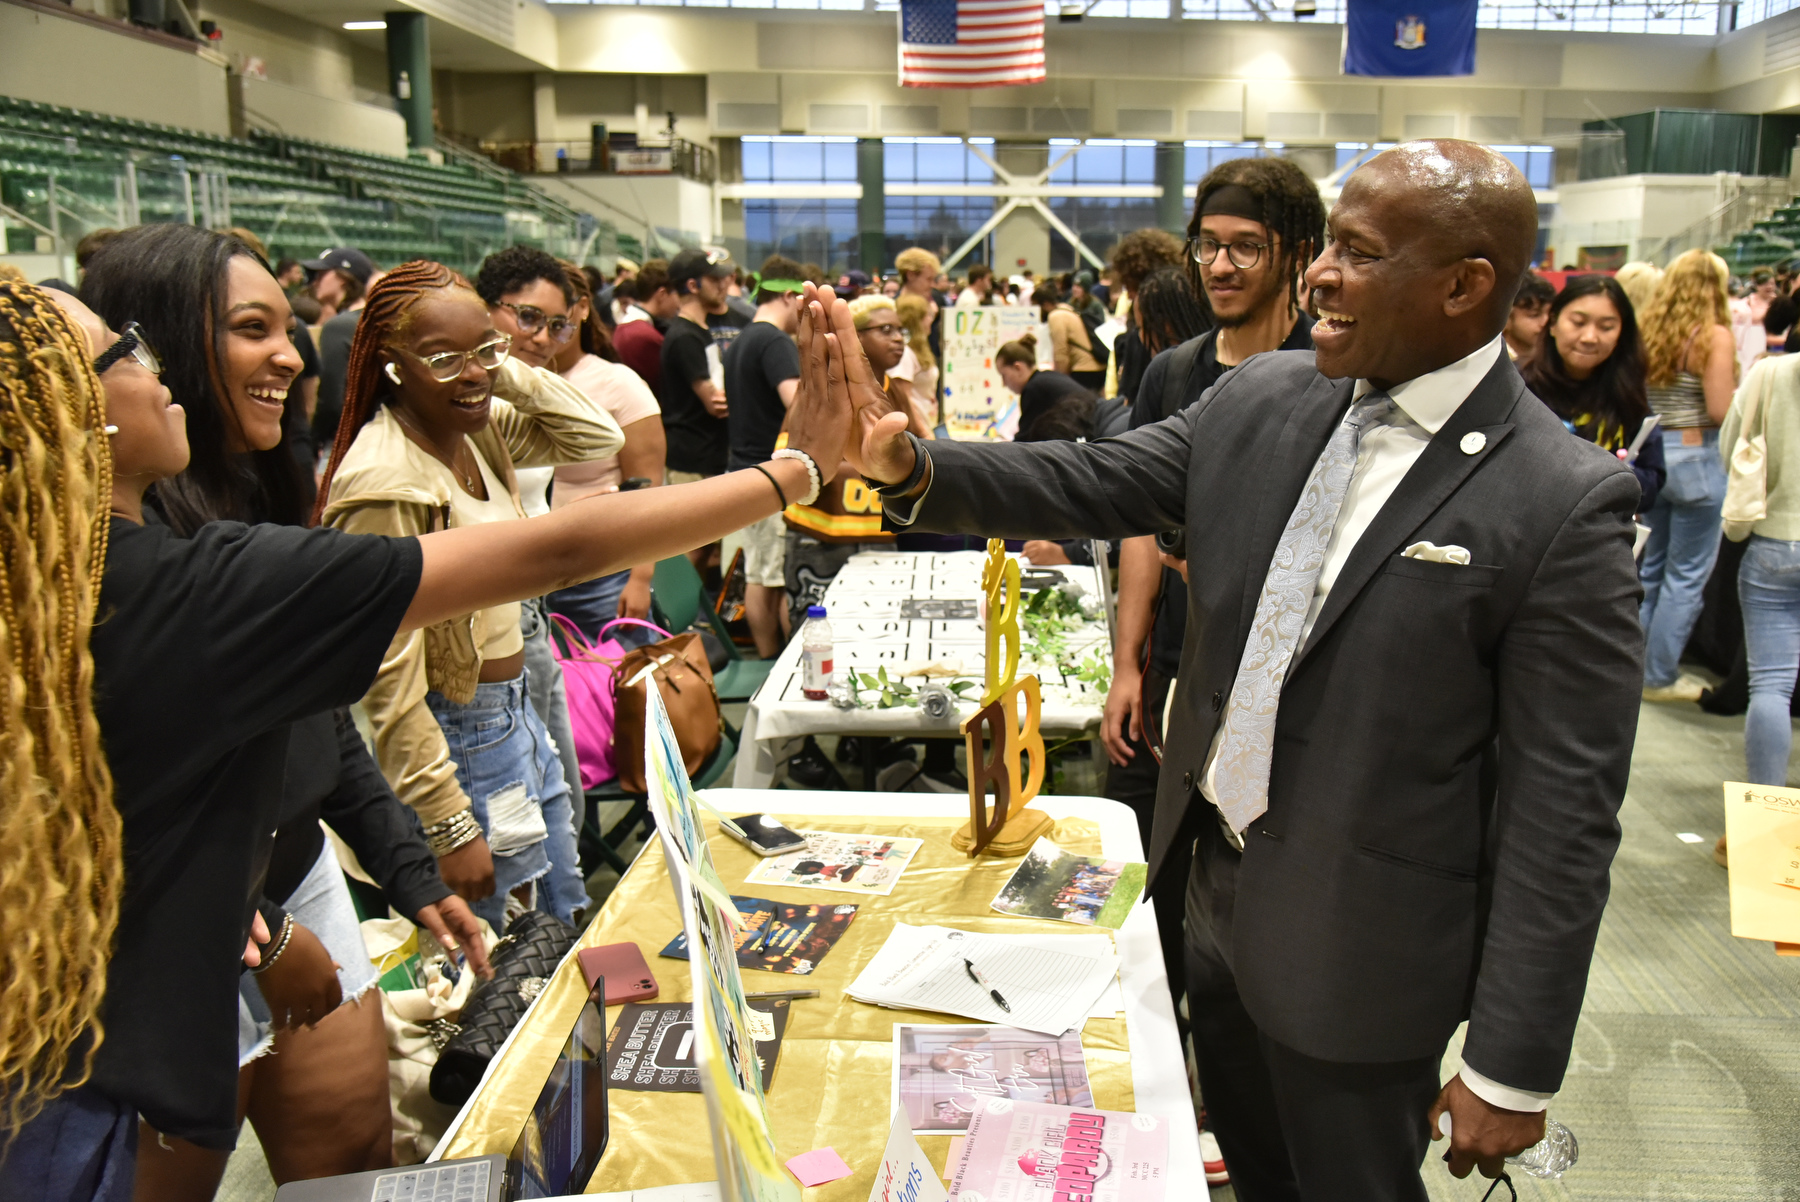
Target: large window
point(1599, 16)
point(796, 160)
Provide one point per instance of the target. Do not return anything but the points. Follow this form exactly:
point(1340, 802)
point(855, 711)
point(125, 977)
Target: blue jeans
point(1684, 543)
point(505, 763)
point(549, 693)
point(82, 1147)
point(1769, 591)
point(589, 605)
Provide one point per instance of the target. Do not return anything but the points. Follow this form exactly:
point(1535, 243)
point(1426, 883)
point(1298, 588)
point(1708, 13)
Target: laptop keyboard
point(435, 1183)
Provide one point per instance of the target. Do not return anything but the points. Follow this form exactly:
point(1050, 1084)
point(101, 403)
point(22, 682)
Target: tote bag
point(589, 670)
point(1747, 479)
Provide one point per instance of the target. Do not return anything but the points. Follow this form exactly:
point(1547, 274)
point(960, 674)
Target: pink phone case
point(628, 977)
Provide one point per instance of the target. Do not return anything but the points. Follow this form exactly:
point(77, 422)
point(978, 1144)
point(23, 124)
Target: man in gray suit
point(1407, 699)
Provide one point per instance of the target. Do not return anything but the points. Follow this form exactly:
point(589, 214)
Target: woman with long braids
point(204, 652)
point(437, 414)
point(60, 879)
point(320, 1102)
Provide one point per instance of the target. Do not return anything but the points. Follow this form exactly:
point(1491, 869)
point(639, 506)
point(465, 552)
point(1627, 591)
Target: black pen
point(975, 976)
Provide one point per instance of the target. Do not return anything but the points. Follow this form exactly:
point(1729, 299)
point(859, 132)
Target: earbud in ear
point(393, 372)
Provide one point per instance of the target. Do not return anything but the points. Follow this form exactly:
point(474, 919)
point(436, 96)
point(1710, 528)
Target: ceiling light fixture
point(360, 25)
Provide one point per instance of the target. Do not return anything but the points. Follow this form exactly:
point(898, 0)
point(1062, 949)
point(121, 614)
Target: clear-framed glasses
point(531, 319)
point(886, 329)
point(1243, 255)
point(132, 344)
point(445, 366)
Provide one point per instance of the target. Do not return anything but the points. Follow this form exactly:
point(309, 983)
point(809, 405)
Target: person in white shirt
point(1407, 698)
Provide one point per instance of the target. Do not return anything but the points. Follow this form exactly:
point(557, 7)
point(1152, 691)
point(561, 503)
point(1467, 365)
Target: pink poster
point(1036, 1152)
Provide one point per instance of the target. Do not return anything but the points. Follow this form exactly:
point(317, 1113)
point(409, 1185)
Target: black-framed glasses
point(1243, 255)
point(131, 343)
point(532, 319)
point(445, 366)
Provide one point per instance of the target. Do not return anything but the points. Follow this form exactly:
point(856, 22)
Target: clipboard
point(1762, 829)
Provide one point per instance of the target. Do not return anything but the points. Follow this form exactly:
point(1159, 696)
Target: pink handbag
point(588, 672)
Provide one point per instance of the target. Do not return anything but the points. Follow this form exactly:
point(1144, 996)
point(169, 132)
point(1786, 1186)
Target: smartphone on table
point(765, 835)
point(621, 965)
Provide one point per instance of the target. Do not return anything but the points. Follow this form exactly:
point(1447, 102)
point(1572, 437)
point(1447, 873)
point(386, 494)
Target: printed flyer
point(1052, 883)
point(942, 1073)
point(1033, 1152)
point(780, 936)
point(869, 864)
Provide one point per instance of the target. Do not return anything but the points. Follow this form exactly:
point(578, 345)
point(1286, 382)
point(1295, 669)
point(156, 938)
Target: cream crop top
point(497, 632)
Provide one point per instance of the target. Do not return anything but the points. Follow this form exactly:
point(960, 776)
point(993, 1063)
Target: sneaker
point(810, 767)
point(1212, 1160)
point(1685, 688)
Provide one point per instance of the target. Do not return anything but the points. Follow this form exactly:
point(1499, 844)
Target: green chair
point(681, 599)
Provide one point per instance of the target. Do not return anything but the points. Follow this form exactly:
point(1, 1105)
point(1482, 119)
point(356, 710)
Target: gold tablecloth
point(832, 1082)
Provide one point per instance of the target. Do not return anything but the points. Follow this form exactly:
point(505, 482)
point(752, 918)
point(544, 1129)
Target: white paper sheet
point(1051, 982)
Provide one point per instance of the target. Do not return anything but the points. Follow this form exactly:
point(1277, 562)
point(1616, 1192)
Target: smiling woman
point(437, 415)
point(231, 370)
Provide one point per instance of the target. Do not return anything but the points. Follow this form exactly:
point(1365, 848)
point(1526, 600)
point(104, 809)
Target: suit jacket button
point(1218, 702)
point(1187, 780)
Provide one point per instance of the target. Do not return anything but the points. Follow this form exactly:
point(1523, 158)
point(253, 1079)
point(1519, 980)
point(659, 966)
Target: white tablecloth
point(864, 603)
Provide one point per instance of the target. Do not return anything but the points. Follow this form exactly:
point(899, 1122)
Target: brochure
point(651, 1048)
point(869, 864)
point(780, 936)
point(942, 1074)
point(1017, 1149)
point(1052, 883)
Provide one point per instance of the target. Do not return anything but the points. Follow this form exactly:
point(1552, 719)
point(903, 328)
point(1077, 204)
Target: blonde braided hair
point(60, 838)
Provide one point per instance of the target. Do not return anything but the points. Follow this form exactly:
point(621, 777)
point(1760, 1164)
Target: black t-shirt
point(1043, 390)
point(334, 366)
point(725, 327)
point(206, 651)
point(698, 441)
point(761, 359)
point(1147, 406)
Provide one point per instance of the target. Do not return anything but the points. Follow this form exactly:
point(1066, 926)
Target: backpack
point(1096, 346)
point(1184, 365)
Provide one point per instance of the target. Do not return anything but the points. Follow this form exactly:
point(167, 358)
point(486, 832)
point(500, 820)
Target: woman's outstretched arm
point(475, 567)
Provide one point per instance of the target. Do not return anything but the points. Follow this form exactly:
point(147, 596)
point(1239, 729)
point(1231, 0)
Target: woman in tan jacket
point(436, 417)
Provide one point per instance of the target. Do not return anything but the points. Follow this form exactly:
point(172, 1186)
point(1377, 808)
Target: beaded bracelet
point(453, 832)
point(812, 472)
point(276, 946)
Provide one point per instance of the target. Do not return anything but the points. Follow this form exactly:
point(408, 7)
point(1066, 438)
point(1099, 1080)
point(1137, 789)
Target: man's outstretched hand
point(1481, 1134)
point(878, 446)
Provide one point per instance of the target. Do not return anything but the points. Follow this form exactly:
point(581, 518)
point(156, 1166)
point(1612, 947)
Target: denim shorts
point(508, 767)
point(322, 905)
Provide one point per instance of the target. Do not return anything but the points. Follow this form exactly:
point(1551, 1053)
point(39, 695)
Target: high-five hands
point(837, 383)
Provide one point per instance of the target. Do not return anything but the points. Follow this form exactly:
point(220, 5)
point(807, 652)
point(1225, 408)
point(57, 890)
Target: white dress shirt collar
point(1430, 400)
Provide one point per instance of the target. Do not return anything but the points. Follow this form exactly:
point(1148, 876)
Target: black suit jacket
point(1453, 741)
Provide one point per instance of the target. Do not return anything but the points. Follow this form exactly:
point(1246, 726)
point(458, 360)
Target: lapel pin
point(1472, 442)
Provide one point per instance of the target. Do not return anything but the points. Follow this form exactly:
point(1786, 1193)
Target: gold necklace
point(468, 482)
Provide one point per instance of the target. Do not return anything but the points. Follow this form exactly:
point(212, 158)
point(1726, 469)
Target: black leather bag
point(523, 962)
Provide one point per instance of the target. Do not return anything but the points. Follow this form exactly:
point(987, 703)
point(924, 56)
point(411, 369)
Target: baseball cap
point(692, 264)
point(1084, 278)
point(347, 259)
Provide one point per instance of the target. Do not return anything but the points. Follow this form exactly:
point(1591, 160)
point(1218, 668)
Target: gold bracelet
point(452, 833)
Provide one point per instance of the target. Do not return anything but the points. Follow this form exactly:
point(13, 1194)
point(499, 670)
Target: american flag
point(971, 43)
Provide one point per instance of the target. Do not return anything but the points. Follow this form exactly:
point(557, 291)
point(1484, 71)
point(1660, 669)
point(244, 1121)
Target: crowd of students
point(225, 526)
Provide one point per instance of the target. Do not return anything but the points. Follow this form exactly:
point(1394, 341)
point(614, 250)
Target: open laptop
point(556, 1154)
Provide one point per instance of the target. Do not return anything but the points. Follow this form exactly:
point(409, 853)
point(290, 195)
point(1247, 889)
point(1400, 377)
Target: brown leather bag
point(685, 679)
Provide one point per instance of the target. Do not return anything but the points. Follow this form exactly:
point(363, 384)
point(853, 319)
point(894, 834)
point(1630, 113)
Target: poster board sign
point(977, 404)
point(1762, 826)
point(651, 161)
point(724, 1040)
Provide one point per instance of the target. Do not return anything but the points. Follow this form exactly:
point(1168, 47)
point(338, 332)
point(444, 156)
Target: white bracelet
point(812, 471)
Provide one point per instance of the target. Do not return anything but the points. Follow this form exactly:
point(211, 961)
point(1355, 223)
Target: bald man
point(1407, 697)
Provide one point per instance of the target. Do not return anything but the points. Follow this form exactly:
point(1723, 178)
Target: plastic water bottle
point(815, 658)
point(1551, 1156)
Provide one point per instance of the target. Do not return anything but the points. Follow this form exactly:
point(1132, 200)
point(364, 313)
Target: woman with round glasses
point(437, 415)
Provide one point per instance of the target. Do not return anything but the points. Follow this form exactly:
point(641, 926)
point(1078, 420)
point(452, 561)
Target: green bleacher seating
point(298, 196)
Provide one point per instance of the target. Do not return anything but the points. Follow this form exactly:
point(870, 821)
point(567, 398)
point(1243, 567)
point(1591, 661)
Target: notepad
point(1052, 982)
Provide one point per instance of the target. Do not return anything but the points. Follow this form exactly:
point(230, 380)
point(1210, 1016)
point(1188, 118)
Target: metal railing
point(677, 156)
point(1746, 199)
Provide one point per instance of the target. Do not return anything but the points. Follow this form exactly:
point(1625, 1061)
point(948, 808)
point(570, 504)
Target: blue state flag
point(1410, 37)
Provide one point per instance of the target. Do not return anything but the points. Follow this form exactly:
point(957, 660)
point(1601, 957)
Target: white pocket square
point(1437, 554)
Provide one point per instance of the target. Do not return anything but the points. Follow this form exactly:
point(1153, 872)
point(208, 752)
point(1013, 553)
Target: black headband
point(1232, 200)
